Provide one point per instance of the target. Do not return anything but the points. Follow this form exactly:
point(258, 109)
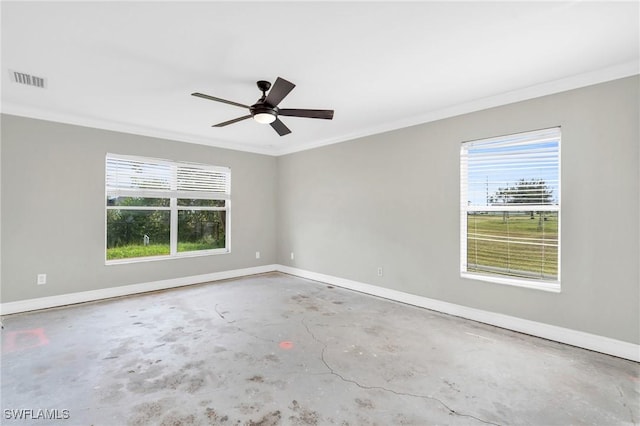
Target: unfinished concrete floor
point(275, 349)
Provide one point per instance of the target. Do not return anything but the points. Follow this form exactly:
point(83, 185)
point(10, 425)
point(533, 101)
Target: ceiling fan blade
point(279, 127)
point(279, 90)
point(235, 120)
point(327, 114)
point(213, 98)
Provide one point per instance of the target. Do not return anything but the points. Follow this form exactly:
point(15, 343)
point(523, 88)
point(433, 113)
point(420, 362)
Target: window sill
point(185, 255)
point(550, 286)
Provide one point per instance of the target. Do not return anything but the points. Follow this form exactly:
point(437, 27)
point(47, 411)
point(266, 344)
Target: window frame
point(173, 194)
point(466, 207)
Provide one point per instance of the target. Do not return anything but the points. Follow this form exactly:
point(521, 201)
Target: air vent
point(28, 79)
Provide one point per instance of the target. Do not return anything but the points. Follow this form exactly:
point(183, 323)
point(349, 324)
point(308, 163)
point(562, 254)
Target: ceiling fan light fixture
point(265, 117)
point(266, 111)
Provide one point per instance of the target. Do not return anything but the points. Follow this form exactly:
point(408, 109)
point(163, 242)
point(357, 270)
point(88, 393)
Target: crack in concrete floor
point(400, 364)
point(624, 403)
point(355, 382)
point(382, 388)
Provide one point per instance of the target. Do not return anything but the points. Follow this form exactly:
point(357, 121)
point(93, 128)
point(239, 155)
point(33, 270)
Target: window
point(510, 209)
point(161, 208)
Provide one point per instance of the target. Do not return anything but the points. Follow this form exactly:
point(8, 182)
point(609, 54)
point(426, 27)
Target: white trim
point(177, 255)
point(580, 339)
point(173, 228)
point(568, 336)
point(551, 286)
point(125, 290)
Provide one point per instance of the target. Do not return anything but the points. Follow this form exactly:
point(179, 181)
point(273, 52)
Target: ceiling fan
point(266, 110)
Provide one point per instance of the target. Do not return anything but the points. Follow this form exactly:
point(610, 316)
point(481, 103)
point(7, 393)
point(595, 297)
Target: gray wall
point(389, 200)
point(53, 218)
point(392, 200)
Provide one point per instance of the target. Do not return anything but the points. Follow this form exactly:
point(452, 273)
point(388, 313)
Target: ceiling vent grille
point(28, 79)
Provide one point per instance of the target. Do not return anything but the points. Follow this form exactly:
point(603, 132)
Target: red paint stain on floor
point(286, 345)
point(24, 339)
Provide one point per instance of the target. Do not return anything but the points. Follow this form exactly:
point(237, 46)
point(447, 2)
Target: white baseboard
point(580, 339)
point(559, 334)
point(125, 290)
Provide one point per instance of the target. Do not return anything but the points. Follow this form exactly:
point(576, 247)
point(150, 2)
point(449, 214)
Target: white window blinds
point(128, 176)
point(511, 172)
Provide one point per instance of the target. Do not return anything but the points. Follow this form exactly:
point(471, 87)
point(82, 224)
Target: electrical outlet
point(42, 279)
point(257, 255)
point(379, 271)
point(292, 257)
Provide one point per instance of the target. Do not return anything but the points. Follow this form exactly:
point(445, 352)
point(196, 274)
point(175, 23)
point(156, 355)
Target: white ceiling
point(380, 65)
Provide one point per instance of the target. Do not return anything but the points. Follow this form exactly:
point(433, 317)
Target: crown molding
point(623, 70)
point(97, 123)
point(616, 72)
